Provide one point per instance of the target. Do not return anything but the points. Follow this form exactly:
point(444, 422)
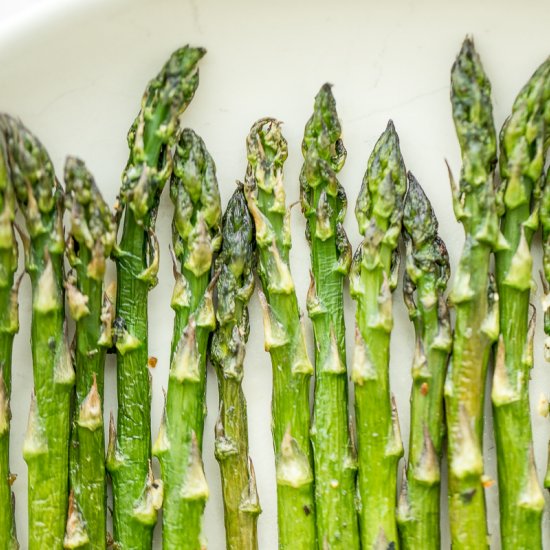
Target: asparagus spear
point(473, 296)
point(196, 237)
point(46, 446)
point(324, 205)
point(379, 212)
point(545, 224)
point(284, 336)
point(522, 151)
point(91, 239)
point(425, 281)
point(137, 495)
point(235, 286)
point(9, 325)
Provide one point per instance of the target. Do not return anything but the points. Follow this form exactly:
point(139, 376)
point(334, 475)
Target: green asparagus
point(324, 205)
point(283, 336)
point(196, 237)
point(91, 239)
point(545, 224)
point(373, 277)
point(474, 298)
point(9, 325)
point(424, 284)
point(46, 445)
point(522, 151)
point(137, 495)
point(235, 286)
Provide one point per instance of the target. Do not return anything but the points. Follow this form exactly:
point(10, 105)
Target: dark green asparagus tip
point(473, 114)
point(238, 235)
point(266, 146)
point(418, 216)
point(164, 100)
point(428, 251)
point(92, 223)
point(522, 139)
point(323, 131)
point(236, 280)
point(194, 192)
point(33, 177)
point(384, 184)
point(153, 132)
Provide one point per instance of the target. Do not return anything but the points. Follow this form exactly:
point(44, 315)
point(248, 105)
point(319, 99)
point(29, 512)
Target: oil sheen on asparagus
point(474, 298)
point(234, 287)
point(196, 238)
point(283, 335)
point(137, 495)
point(46, 445)
point(90, 242)
point(424, 285)
point(379, 212)
point(324, 205)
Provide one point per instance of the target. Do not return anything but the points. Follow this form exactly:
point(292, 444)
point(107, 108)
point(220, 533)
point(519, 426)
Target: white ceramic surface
point(74, 72)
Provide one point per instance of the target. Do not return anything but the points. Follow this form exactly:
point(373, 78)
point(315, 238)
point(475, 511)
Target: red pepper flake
point(487, 482)
point(152, 362)
point(424, 388)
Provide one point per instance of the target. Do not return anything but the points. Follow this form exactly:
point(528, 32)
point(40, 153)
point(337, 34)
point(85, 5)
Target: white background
point(75, 71)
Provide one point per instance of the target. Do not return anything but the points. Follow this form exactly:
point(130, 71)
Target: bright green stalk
point(474, 298)
point(284, 336)
point(196, 237)
point(235, 286)
point(91, 239)
point(9, 325)
point(424, 284)
point(379, 212)
point(522, 152)
point(137, 495)
point(46, 446)
point(324, 205)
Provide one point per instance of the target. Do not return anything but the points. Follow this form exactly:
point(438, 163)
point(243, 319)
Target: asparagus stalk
point(46, 446)
point(424, 284)
point(522, 151)
point(324, 205)
point(235, 286)
point(9, 325)
point(91, 239)
point(474, 298)
point(196, 237)
point(137, 495)
point(379, 212)
point(284, 336)
point(545, 224)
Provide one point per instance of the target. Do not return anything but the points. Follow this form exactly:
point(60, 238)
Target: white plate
point(75, 74)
